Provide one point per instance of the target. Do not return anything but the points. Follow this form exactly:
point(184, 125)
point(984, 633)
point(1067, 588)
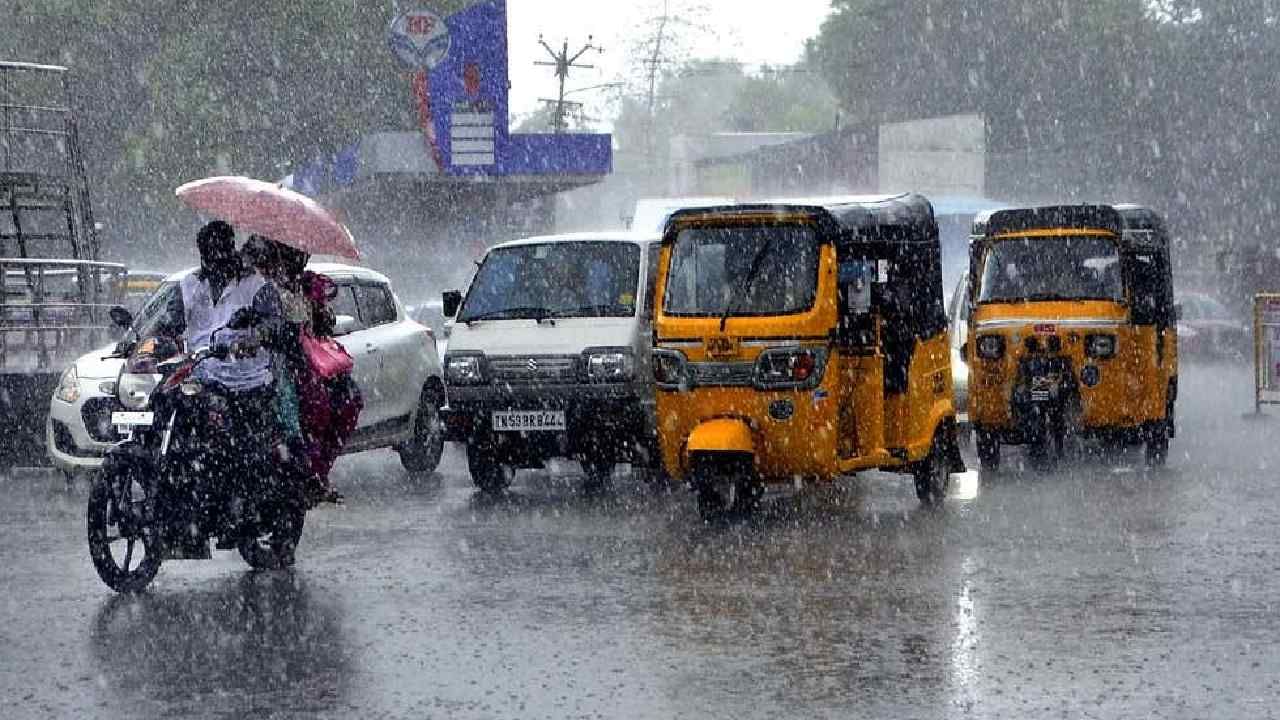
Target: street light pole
point(562, 61)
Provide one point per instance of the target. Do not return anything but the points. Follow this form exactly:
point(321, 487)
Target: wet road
point(1099, 591)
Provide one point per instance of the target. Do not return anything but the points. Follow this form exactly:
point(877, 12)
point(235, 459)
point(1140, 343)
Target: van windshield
point(1076, 267)
point(754, 270)
point(586, 278)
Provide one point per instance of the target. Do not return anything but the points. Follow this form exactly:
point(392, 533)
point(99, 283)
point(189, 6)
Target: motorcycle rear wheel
point(274, 548)
point(117, 524)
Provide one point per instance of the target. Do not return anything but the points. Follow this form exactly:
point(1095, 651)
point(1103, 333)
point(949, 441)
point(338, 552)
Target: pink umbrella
point(272, 210)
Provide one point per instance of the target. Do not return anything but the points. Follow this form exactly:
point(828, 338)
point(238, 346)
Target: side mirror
point(344, 325)
point(964, 353)
point(452, 300)
point(121, 317)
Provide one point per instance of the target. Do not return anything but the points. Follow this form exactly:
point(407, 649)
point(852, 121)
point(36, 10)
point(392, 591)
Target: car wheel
point(487, 472)
point(422, 453)
point(598, 475)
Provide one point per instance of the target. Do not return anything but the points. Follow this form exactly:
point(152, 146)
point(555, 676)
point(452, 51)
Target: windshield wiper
point(749, 278)
point(599, 309)
point(514, 313)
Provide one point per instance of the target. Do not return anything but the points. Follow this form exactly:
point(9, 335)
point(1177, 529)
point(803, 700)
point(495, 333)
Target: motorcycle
point(184, 476)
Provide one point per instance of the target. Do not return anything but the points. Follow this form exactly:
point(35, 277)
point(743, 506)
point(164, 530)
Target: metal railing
point(50, 309)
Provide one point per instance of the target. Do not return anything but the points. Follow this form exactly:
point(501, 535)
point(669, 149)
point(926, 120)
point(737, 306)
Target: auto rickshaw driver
point(802, 341)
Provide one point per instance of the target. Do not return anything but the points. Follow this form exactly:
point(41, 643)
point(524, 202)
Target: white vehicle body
point(396, 368)
point(533, 365)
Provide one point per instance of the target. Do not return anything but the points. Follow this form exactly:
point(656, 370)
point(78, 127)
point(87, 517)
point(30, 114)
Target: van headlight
point(464, 369)
point(134, 389)
point(1100, 346)
point(609, 364)
point(797, 368)
point(991, 347)
point(68, 386)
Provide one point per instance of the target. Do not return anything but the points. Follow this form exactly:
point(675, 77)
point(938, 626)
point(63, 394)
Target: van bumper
point(615, 420)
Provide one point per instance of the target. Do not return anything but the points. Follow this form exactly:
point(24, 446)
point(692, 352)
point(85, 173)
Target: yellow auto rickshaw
point(802, 341)
point(1072, 330)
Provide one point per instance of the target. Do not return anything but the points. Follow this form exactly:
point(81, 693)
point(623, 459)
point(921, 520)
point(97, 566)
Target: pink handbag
point(326, 356)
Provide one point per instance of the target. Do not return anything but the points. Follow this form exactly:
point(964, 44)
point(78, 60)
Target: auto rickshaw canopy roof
point(1135, 225)
point(902, 218)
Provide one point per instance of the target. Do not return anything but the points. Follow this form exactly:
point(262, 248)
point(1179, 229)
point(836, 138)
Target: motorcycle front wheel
point(123, 542)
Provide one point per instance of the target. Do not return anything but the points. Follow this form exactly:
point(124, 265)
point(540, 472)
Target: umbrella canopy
point(272, 210)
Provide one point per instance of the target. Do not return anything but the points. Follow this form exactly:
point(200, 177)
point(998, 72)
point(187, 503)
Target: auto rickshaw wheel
point(988, 450)
point(932, 473)
point(725, 487)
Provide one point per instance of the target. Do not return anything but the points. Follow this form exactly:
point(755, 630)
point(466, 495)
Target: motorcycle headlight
point(798, 368)
point(1100, 346)
point(669, 369)
point(609, 364)
point(69, 386)
point(991, 347)
point(134, 389)
point(465, 369)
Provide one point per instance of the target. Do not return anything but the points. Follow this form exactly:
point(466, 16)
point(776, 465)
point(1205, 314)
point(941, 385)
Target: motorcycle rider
point(243, 309)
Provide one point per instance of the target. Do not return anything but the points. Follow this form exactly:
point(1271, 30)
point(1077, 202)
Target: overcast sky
point(774, 36)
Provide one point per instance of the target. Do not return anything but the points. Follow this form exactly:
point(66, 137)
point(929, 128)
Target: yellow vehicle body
point(843, 423)
point(1050, 366)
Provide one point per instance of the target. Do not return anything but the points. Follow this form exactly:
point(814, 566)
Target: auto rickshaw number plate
point(525, 420)
point(1043, 388)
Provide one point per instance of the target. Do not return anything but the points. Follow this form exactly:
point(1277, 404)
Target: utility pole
point(563, 62)
point(654, 62)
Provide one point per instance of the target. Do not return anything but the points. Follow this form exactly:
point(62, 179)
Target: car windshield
point(755, 270)
point(1076, 267)
point(584, 278)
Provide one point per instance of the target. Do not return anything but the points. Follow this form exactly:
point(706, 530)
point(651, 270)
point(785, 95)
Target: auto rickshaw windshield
point(1083, 267)
point(743, 270)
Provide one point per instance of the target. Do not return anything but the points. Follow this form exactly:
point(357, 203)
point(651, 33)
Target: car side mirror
point(452, 300)
point(120, 317)
point(343, 325)
point(964, 352)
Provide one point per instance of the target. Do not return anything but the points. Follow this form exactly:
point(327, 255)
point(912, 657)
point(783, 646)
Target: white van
point(549, 357)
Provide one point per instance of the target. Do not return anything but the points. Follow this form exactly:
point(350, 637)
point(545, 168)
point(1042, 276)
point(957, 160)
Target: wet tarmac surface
point(1096, 590)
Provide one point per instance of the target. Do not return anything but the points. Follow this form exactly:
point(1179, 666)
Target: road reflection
point(259, 640)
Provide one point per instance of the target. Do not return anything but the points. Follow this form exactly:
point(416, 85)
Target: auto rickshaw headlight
point(799, 368)
point(1100, 346)
point(670, 369)
point(609, 364)
point(991, 347)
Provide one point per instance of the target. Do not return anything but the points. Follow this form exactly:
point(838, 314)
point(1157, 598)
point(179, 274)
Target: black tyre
point(988, 451)
point(932, 474)
point(487, 472)
point(599, 473)
point(274, 549)
point(1157, 450)
point(123, 542)
point(725, 488)
point(422, 453)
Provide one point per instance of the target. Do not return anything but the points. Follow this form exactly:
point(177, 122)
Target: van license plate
point(522, 420)
point(132, 419)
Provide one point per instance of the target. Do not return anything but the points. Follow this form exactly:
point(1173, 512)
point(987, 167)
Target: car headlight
point(69, 386)
point(134, 389)
point(1100, 346)
point(670, 369)
point(609, 364)
point(464, 369)
point(991, 347)
point(798, 368)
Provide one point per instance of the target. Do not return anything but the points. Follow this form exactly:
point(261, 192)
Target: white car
point(959, 319)
point(397, 370)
